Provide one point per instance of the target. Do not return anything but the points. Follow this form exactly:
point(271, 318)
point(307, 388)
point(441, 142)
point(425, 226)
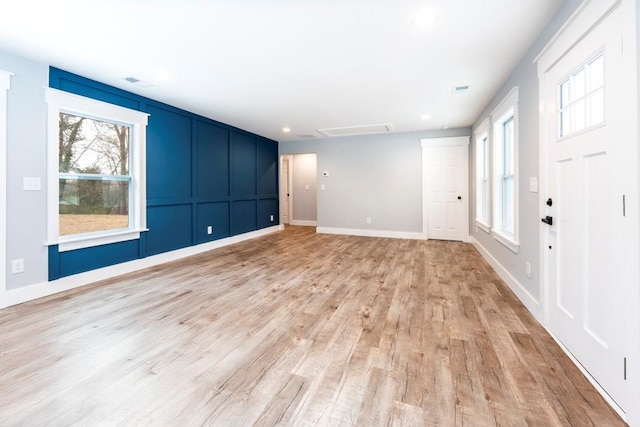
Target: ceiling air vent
point(459, 89)
point(138, 82)
point(357, 130)
point(306, 136)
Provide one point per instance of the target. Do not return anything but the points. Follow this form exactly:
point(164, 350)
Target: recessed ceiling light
point(162, 75)
point(425, 117)
point(424, 19)
point(286, 130)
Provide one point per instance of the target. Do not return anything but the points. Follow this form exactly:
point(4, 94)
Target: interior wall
point(199, 172)
point(370, 176)
point(526, 78)
point(26, 157)
point(305, 194)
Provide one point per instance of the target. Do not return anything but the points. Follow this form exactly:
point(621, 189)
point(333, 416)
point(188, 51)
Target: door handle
point(548, 220)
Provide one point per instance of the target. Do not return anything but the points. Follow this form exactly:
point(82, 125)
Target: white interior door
point(285, 195)
point(445, 188)
point(586, 242)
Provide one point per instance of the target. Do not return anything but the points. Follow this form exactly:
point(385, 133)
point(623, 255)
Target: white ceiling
point(304, 64)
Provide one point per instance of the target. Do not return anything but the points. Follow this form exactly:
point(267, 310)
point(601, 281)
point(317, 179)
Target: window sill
point(90, 240)
point(506, 241)
point(482, 226)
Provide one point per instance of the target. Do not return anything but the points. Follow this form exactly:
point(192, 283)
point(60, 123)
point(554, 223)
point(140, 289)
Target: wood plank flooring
point(293, 328)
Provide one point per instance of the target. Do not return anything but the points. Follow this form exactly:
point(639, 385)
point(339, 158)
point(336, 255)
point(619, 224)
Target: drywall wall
point(180, 205)
point(526, 78)
point(26, 157)
point(304, 191)
point(370, 176)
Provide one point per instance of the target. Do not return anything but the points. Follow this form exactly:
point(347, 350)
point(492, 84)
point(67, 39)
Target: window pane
point(596, 69)
point(92, 146)
point(88, 205)
point(507, 204)
point(485, 158)
point(596, 106)
point(578, 84)
point(565, 122)
point(508, 138)
point(483, 208)
point(579, 115)
point(564, 94)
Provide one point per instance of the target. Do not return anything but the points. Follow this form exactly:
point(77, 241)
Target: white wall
point(26, 157)
point(304, 189)
point(370, 176)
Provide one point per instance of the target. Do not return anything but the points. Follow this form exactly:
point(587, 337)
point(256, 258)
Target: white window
point(96, 172)
point(581, 98)
point(505, 174)
point(482, 176)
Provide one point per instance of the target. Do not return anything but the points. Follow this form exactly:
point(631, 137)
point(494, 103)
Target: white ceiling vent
point(459, 89)
point(357, 130)
point(306, 136)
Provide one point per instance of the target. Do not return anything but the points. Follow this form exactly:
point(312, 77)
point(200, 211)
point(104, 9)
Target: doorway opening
point(298, 189)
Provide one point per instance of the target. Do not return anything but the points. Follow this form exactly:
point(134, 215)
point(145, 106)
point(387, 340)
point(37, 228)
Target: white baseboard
point(372, 233)
point(303, 223)
point(39, 290)
point(529, 301)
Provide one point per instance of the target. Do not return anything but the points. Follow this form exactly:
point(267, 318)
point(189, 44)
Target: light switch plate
point(533, 184)
point(31, 184)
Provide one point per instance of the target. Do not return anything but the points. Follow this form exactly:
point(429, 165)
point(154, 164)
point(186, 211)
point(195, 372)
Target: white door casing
point(445, 188)
point(5, 82)
point(589, 255)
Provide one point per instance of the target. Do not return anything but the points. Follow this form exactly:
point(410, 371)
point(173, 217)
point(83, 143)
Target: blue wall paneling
point(200, 173)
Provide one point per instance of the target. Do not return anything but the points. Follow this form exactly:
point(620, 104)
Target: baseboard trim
point(303, 223)
point(43, 289)
point(372, 233)
point(529, 301)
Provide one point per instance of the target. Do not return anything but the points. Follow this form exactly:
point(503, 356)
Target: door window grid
point(581, 98)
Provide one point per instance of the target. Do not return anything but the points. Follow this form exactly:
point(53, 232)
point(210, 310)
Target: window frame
point(64, 102)
point(507, 110)
point(483, 175)
point(588, 95)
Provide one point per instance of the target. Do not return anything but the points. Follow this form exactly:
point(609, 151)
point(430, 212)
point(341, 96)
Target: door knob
point(549, 202)
point(548, 220)
point(459, 197)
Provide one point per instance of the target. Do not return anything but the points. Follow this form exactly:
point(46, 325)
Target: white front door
point(585, 244)
point(445, 188)
point(285, 166)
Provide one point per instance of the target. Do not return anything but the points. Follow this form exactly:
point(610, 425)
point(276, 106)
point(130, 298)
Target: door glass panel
point(596, 69)
point(564, 94)
point(596, 106)
point(579, 115)
point(578, 84)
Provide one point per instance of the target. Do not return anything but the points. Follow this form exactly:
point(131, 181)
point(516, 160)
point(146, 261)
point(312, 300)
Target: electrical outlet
point(527, 267)
point(368, 220)
point(271, 217)
point(209, 229)
point(17, 266)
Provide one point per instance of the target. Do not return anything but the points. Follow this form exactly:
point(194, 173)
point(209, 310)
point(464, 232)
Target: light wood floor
point(293, 328)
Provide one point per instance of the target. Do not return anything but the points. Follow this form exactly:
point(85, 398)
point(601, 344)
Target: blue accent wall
point(200, 173)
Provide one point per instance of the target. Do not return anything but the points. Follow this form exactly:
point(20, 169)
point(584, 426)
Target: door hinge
point(625, 368)
point(624, 205)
